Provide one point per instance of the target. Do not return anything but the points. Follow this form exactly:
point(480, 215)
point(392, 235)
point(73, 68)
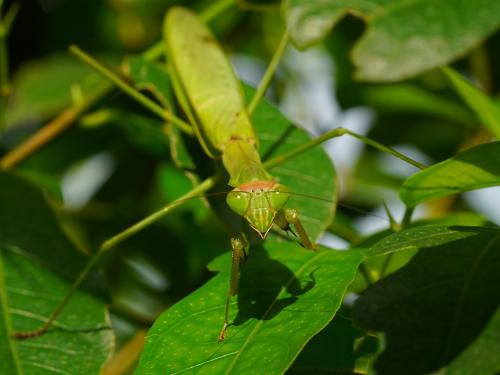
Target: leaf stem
point(268, 75)
point(131, 91)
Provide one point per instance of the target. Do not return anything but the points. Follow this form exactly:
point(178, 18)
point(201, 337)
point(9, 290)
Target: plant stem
point(131, 91)
point(337, 132)
point(407, 217)
point(215, 9)
point(66, 118)
point(52, 129)
point(268, 75)
point(5, 89)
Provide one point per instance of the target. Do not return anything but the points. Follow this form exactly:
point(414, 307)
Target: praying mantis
point(216, 109)
point(211, 98)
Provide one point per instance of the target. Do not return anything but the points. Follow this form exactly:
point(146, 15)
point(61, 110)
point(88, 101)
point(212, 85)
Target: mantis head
point(258, 202)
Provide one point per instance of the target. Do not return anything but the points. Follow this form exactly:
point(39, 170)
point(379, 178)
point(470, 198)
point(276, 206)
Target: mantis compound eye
point(238, 202)
point(278, 197)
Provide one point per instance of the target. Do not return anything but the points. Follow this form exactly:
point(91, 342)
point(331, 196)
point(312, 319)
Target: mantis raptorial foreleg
point(239, 247)
point(289, 216)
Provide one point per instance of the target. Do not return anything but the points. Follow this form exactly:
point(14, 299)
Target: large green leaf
point(437, 305)
point(37, 266)
point(287, 294)
point(403, 38)
point(475, 168)
point(487, 111)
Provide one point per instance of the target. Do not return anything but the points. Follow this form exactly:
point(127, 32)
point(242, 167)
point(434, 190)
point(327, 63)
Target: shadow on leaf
point(262, 280)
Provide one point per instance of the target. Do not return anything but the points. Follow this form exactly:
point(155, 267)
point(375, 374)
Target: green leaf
point(475, 168)
point(286, 296)
point(418, 238)
point(311, 20)
point(37, 266)
point(437, 305)
point(45, 87)
point(487, 111)
point(403, 38)
point(388, 252)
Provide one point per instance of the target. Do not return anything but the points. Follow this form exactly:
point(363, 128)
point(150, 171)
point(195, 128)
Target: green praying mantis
point(211, 98)
point(216, 109)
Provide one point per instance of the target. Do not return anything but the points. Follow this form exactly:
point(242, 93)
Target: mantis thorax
point(258, 202)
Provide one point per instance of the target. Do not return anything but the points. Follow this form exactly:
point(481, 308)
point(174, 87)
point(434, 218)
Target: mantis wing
point(213, 98)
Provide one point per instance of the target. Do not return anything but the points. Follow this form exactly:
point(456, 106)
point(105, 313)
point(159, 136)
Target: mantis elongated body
point(212, 99)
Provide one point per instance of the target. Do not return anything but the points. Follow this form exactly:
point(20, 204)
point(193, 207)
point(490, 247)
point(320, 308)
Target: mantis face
point(258, 202)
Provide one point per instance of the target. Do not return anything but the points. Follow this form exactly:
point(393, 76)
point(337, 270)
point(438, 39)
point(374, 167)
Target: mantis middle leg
point(239, 247)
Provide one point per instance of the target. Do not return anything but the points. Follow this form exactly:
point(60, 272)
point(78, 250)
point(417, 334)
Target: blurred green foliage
point(377, 66)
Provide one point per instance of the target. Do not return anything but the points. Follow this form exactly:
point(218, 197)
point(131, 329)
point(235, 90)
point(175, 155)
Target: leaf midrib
point(260, 322)
point(6, 317)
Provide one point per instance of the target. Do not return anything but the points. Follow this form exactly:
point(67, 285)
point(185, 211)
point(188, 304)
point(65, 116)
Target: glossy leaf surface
point(37, 266)
point(475, 168)
point(287, 294)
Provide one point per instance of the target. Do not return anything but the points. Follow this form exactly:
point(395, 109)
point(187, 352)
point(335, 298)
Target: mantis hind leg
point(288, 216)
point(239, 246)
